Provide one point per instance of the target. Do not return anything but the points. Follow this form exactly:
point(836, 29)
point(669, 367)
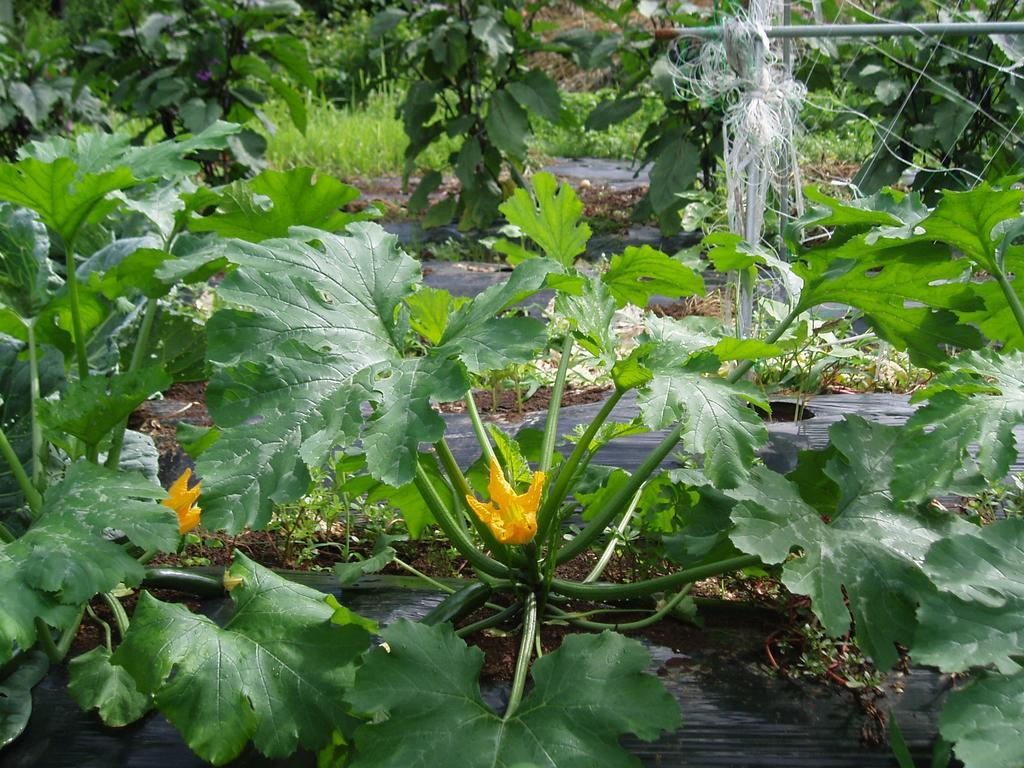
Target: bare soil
point(506, 405)
point(704, 306)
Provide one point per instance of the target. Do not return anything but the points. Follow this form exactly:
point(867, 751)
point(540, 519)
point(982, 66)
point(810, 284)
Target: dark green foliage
point(181, 65)
point(38, 94)
point(472, 80)
point(949, 107)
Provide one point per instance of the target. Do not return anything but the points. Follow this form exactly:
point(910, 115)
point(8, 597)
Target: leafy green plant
point(682, 142)
point(948, 109)
point(353, 63)
point(857, 515)
point(94, 235)
point(79, 513)
point(311, 352)
point(182, 66)
point(472, 81)
point(37, 95)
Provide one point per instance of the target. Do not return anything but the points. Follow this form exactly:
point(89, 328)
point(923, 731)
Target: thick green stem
point(745, 365)
point(76, 311)
point(6, 537)
point(45, 637)
point(609, 550)
point(559, 490)
point(120, 616)
point(462, 490)
point(456, 535)
point(37, 428)
point(1011, 297)
point(600, 592)
point(138, 354)
point(643, 623)
point(35, 501)
point(107, 634)
point(621, 499)
point(525, 653)
point(68, 636)
point(547, 448)
point(607, 513)
point(478, 428)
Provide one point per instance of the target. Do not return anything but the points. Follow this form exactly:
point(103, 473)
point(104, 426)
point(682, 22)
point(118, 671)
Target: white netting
point(743, 72)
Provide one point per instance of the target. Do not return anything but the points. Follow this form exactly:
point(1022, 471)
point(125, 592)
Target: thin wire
point(946, 89)
point(877, 126)
point(903, 106)
point(1001, 144)
point(976, 107)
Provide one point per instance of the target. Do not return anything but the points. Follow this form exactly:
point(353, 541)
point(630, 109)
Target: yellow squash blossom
point(182, 500)
point(511, 517)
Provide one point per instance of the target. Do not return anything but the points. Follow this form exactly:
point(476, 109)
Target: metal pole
point(924, 29)
point(784, 168)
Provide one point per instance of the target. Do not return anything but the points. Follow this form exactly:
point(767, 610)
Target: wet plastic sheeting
point(786, 438)
point(734, 715)
point(617, 175)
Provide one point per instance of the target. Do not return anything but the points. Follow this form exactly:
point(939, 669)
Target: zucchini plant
point(311, 351)
point(324, 341)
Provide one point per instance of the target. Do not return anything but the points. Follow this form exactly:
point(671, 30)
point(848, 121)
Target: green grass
point(369, 141)
point(571, 139)
point(349, 143)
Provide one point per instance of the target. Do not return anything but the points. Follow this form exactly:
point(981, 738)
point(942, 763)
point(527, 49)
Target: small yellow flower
point(182, 500)
point(230, 582)
point(511, 517)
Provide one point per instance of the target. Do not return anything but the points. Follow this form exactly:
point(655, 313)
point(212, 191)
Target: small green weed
point(1003, 500)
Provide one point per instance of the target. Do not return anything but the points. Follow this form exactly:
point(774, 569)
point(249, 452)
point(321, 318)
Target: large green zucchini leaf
point(275, 674)
point(425, 700)
point(861, 558)
point(314, 328)
point(66, 557)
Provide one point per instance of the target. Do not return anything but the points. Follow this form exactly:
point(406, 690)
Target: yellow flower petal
point(511, 517)
point(182, 500)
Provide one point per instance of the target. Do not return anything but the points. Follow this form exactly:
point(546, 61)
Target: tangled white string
point(762, 102)
point(742, 71)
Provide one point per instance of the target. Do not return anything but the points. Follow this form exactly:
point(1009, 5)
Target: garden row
point(326, 352)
